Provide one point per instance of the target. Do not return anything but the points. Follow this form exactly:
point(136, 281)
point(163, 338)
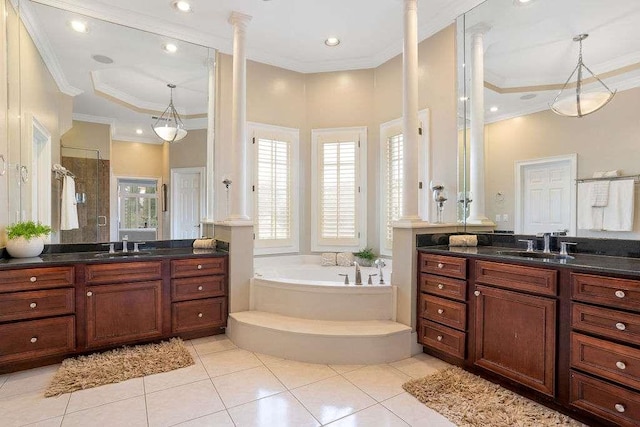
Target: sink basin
point(120, 254)
point(542, 255)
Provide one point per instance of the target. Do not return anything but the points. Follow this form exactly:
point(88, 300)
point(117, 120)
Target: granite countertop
point(578, 261)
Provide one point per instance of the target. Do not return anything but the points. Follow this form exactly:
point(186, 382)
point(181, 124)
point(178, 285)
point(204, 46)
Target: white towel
point(599, 191)
point(618, 214)
point(68, 208)
point(589, 218)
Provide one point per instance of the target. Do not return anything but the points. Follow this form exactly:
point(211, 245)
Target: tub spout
point(358, 275)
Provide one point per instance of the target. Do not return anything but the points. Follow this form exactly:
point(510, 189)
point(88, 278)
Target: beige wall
point(605, 140)
point(136, 159)
point(92, 136)
point(190, 151)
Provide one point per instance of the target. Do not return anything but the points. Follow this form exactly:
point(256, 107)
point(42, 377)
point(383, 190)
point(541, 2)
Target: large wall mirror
point(534, 158)
point(84, 107)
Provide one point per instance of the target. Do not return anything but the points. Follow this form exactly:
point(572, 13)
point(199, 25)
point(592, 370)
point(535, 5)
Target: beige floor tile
point(379, 381)
point(219, 419)
point(164, 380)
point(31, 407)
point(96, 396)
point(279, 410)
point(341, 369)
point(331, 399)
point(415, 413)
point(374, 416)
point(267, 359)
point(296, 374)
point(51, 422)
point(226, 362)
point(212, 344)
point(126, 413)
point(182, 403)
point(3, 378)
point(246, 386)
point(420, 365)
point(28, 381)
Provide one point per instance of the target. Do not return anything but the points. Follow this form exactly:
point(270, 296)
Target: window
point(338, 196)
point(275, 188)
point(393, 184)
point(138, 206)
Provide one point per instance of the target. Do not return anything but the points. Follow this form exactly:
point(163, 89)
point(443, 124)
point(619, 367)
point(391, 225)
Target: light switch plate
point(497, 217)
point(505, 217)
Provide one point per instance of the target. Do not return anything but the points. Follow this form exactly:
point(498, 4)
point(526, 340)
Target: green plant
point(366, 253)
point(27, 229)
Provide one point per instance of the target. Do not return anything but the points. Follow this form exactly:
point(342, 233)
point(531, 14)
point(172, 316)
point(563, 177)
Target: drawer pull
point(440, 311)
point(619, 407)
point(440, 286)
point(200, 288)
point(199, 267)
point(34, 340)
point(32, 279)
point(439, 337)
point(620, 294)
point(621, 365)
point(621, 326)
point(199, 314)
point(476, 293)
point(440, 265)
point(33, 305)
point(89, 293)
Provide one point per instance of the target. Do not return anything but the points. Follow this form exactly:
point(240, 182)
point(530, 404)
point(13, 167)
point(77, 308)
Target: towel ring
point(4, 165)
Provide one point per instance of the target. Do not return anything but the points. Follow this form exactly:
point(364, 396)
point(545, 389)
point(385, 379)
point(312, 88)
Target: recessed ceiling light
point(182, 6)
point(139, 131)
point(528, 96)
point(102, 59)
point(170, 47)
point(332, 41)
point(493, 109)
point(522, 2)
point(79, 26)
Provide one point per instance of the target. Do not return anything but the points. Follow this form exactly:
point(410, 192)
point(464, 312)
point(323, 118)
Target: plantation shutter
point(394, 171)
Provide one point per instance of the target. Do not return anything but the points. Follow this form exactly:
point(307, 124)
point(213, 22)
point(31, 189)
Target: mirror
point(87, 103)
point(529, 54)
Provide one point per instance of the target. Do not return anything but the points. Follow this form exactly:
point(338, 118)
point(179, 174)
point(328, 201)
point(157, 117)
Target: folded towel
point(345, 259)
point(328, 259)
point(463, 240)
point(599, 191)
point(204, 244)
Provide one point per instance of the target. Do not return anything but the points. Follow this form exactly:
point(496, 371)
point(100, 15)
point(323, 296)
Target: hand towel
point(463, 240)
point(599, 191)
point(204, 244)
point(618, 214)
point(68, 208)
point(328, 259)
point(345, 259)
point(589, 218)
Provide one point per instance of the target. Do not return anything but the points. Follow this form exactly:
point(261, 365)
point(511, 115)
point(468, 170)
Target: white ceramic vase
point(23, 248)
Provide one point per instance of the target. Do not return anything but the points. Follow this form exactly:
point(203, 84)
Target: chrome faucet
point(547, 239)
point(125, 243)
point(358, 275)
point(380, 264)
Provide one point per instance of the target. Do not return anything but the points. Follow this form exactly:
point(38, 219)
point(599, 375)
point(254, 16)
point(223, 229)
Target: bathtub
point(298, 286)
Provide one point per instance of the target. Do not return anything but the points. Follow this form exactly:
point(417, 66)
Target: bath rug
point(118, 365)
point(470, 401)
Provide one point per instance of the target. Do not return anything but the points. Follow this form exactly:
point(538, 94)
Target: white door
point(187, 201)
point(546, 197)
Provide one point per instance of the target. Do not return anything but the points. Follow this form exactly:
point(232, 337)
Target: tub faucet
point(547, 240)
point(125, 243)
point(358, 275)
point(380, 264)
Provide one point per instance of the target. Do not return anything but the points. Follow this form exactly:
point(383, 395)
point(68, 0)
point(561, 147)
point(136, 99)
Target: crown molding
point(92, 119)
point(123, 137)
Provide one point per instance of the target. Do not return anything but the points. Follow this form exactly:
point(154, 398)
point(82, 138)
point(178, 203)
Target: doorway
point(187, 202)
point(546, 195)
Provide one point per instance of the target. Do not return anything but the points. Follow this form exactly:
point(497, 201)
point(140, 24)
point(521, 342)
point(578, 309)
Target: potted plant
point(365, 257)
point(26, 239)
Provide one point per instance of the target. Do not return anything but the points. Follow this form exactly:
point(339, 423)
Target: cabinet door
point(123, 312)
point(516, 337)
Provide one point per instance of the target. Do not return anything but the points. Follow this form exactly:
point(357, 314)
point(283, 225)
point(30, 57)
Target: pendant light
point(169, 126)
point(580, 104)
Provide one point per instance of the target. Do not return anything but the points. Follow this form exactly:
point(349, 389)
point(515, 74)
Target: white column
point(476, 146)
point(211, 120)
point(410, 121)
point(238, 196)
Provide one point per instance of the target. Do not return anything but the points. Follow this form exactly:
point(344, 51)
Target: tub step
point(320, 341)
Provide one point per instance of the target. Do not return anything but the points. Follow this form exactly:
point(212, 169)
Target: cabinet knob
point(34, 339)
point(199, 314)
point(476, 293)
point(33, 305)
point(620, 294)
point(619, 407)
point(440, 286)
point(33, 279)
point(199, 267)
point(89, 293)
point(621, 365)
point(439, 337)
point(200, 288)
point(621, 326)
point(440, 311)
point(440, 265)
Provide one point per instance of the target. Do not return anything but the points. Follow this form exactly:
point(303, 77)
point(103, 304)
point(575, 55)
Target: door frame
point(41, 197)
point(520, 165)
point(174, 173)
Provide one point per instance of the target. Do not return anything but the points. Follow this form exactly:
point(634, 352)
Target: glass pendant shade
point(579, 103)
point(169, 126)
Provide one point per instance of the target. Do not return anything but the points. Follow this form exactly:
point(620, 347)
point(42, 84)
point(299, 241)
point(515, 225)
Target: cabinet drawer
point(37, 338)
point(198, 314)
point(29, 305)
point(609, 323)
point(444, 287)
point(198, 266)
point(442, 338)
point(122, 272)
point(619, 405)
point(531, 279)
point(197, 287)
point(36, 278)
point(450, 313)
point(615, 362)
point(443, 265)
point(618, 293)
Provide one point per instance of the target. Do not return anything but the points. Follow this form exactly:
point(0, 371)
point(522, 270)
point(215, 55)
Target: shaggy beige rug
point(118, 365)
point(470, 401)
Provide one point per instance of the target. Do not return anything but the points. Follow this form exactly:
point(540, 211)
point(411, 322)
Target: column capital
point(239, 20)
point(410, 5)
point(480, 29)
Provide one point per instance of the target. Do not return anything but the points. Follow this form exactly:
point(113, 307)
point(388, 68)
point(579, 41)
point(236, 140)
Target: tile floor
point(229, 386)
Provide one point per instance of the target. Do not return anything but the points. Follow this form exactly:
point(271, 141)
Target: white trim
point(572, 159)
point(174, 172)
point(361, 179)
point(42, 165)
